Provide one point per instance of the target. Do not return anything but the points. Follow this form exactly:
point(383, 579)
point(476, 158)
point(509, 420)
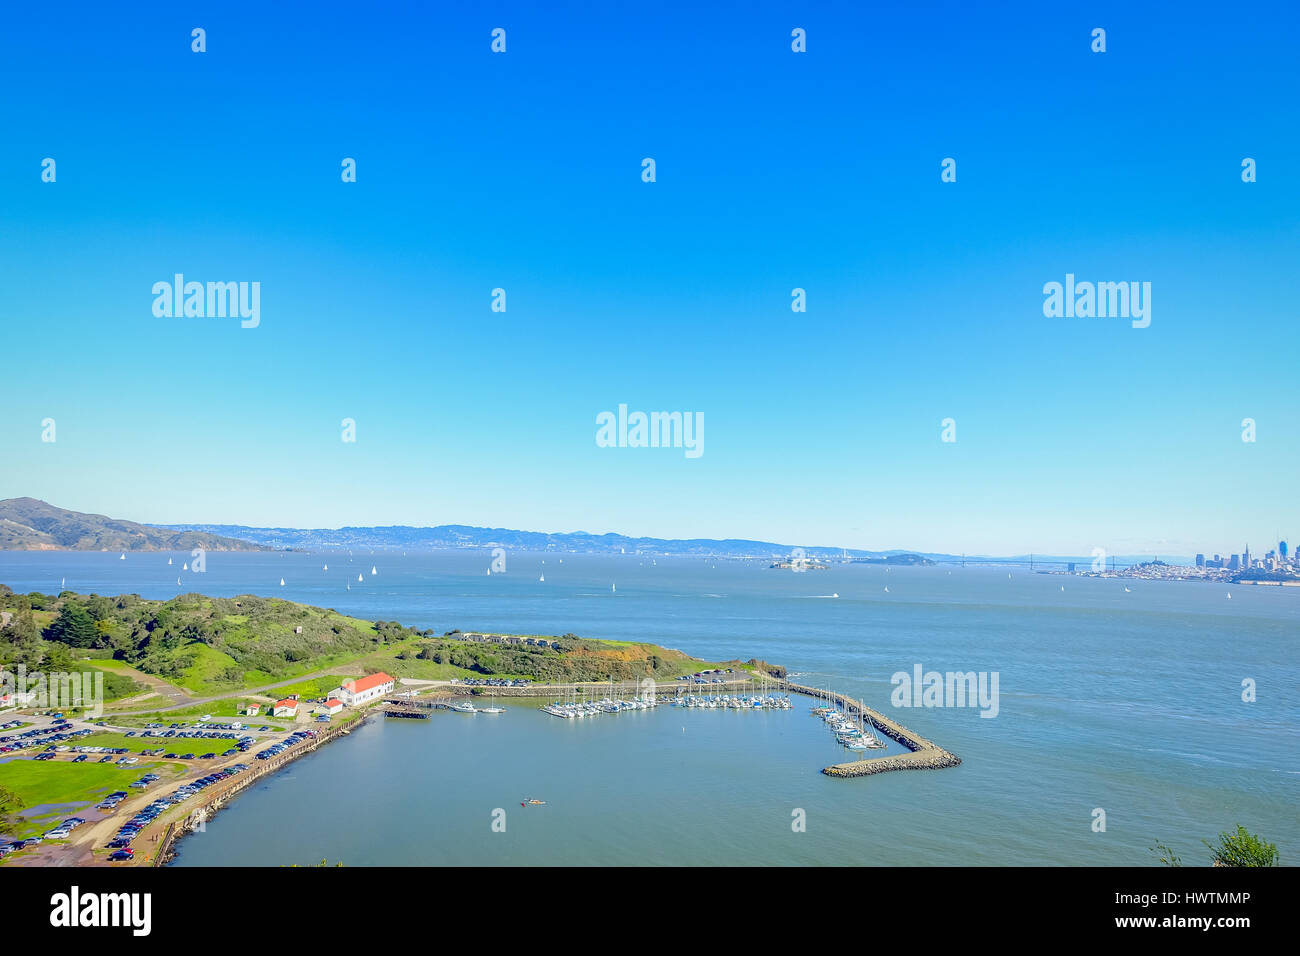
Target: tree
point(20, 642)
point(10, 804)
point(1242, 849)
point(73, 627)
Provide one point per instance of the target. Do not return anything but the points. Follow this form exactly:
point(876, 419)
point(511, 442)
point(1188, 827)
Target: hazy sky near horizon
point(775, 170)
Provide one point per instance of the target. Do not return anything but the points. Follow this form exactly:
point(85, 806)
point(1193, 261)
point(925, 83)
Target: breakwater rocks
point(935, 759)
point(924, 754)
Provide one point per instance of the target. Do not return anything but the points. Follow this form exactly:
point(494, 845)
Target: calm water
point(1130, 702)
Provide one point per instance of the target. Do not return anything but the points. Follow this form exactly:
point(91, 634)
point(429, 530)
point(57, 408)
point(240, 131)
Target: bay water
point(1127, 703)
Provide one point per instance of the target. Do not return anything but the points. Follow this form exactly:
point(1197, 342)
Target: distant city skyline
point(374, 302)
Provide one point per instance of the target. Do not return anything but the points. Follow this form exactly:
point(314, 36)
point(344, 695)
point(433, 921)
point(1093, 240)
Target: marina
point(853, 726)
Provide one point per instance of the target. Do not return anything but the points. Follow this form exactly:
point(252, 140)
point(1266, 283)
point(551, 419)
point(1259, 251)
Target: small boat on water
point(282, 582)
point(465, 707)
point(491, 710)
point(542, 578)
point(373, 570)
point(122, 557)
point(185, 566)
point(532, 803)
point(169, 561)
point(326, 568)
point(360, 578)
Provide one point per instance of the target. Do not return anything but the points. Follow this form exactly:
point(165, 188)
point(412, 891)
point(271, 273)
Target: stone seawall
point(924, 755)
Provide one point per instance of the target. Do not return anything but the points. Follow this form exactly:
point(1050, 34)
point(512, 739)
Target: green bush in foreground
point(1232, 849)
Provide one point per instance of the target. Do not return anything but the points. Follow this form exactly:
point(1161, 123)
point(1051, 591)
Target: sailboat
point(1127, 591)
point(187, 566)
point(613, 589)
point(63, 583)
point(326, 568)
point(489, 572)
point(886, 588)
point(360, 578)
point(169, 561)
point(542, 578)
point(122, 557)
point(282, 582)
point(836, 594)
point(372, 570)
point(178, 581)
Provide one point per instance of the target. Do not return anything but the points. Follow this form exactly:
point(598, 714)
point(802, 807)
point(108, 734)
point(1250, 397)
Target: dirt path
point(175, 696)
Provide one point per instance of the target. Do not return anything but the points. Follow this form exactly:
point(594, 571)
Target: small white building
point(285, 708)
point(332, 706)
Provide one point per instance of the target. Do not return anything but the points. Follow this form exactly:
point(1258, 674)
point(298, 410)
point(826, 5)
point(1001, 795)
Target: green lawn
point(40, 782)
point(169, 744)
point(224, 711)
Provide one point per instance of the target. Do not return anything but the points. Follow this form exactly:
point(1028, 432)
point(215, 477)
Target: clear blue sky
point(775, 170)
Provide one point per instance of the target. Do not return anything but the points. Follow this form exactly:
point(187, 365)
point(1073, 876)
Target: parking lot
point(209, 753)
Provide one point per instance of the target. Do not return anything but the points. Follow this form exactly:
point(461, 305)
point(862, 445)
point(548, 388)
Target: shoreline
point(199, 814)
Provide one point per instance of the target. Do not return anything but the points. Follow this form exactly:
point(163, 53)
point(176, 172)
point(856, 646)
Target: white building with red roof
point(331, 706)
point(285, 708)
point(354, 692)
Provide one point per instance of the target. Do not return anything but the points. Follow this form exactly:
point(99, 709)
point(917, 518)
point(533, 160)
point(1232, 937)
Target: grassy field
point(38, 783)
point(169, 744)
point(224, 711)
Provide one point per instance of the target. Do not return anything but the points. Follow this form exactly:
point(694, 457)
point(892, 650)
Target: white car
point(206, 717)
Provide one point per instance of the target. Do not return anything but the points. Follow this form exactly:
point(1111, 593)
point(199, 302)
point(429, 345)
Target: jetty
point(923, 754)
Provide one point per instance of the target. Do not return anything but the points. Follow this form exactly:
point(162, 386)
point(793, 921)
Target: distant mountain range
point(408, 538)
point(29, 524)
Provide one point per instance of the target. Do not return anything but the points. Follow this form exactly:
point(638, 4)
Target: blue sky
point(775, 170)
